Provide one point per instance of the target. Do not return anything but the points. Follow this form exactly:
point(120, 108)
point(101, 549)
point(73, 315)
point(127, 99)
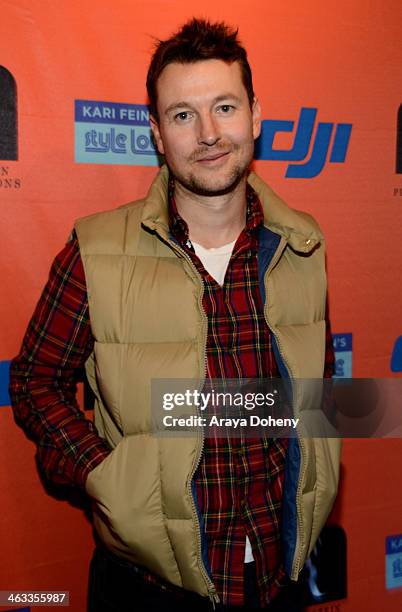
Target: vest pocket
point(93, 485)
point(129, 515)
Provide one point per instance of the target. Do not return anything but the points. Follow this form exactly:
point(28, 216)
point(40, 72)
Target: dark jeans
point(115, 586)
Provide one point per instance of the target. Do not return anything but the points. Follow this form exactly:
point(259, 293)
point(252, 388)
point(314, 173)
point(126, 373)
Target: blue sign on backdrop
point(4, 382)
point(343, 355)
point(113, 133)
point(396, 359)
point(305, 139)
point(393, 561)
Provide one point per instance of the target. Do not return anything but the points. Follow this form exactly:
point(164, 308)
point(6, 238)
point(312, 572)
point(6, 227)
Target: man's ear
point(256, 113)
point(156, 134)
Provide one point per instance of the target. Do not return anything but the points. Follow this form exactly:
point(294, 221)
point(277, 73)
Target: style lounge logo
point(113, 133)
point(305, 138)
point(8, 129)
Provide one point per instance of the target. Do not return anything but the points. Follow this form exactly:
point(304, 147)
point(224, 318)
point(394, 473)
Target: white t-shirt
point(215, 260)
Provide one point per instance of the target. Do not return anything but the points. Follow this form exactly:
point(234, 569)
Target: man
point(210, 276)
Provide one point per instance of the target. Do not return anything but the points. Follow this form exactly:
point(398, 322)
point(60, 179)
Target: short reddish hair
point(198, 40)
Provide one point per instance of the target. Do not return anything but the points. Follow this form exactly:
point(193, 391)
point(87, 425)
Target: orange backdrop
point(341, 58)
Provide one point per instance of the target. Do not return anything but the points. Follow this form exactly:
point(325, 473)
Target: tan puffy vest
point(147, 321)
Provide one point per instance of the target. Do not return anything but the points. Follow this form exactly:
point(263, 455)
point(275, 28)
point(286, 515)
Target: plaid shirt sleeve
point(44, 375)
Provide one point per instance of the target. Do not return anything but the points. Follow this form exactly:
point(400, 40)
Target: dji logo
point(301, 145)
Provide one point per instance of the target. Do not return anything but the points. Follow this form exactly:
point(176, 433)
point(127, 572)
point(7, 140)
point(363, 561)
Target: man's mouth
point(212, 158)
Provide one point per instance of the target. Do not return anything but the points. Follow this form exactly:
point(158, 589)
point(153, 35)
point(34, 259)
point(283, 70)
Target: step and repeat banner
point(75, 139)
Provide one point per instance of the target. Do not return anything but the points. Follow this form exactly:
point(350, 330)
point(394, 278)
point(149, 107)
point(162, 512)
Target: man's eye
point(183, 116)
point(225, 108)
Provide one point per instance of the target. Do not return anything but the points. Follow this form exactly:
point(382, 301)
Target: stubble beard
point(198, 186)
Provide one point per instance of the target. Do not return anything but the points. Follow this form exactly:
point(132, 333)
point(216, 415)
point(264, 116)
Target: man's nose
point(208, 130)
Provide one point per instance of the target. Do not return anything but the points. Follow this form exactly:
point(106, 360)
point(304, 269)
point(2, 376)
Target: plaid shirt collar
point(179, 228)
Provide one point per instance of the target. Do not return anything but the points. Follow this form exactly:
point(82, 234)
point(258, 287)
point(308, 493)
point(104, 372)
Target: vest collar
point(298, 228)
point(155, 214)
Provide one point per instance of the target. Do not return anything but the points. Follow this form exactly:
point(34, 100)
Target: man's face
point(206, 128)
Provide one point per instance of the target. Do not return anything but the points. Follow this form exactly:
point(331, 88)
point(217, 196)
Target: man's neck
point(215, 220)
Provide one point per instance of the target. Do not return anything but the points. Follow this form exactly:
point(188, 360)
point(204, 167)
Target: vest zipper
point(212, 594)
point(299, 537)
